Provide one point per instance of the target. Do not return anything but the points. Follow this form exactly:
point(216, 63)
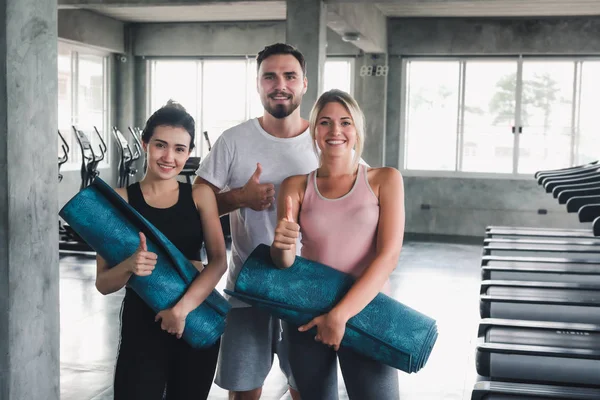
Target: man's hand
point(258, 196)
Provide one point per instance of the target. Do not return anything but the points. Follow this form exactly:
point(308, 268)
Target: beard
point(280, 111)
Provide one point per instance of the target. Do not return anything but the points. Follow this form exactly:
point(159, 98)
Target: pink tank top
point(342, 232)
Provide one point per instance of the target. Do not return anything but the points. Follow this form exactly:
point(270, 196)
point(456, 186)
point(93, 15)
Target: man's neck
point(291, 126)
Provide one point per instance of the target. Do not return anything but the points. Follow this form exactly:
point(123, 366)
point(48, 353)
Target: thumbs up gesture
point(258, 196)
point(142, 262)
point(287, 231)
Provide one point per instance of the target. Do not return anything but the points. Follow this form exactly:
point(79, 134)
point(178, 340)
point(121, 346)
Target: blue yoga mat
point(111, 227)
point(385, 330)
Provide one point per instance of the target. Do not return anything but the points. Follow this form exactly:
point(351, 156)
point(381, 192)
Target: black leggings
point(153, 363)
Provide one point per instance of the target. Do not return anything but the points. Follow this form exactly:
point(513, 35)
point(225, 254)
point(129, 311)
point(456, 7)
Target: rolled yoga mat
point(385, 330)
point(111, 227)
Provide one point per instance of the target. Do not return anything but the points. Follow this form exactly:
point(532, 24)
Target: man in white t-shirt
point(246, 167)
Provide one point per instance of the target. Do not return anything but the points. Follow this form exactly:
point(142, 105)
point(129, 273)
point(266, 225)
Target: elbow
point(223, 267)
point(101, 288)
point(221, 264)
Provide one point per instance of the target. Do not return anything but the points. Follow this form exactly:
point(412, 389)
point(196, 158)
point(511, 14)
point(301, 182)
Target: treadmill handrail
point(541, 249)
point(493, 228)
point(578, 234)
point(542, 172)
point(544, 351)
point(540, 284)
point(575, 203)
point(564, 196)
point(482, 388)
point(583, 173)
point(551, 260)
point(138, 148)
point(533, 248)
point(101, 146)
point(589, 212)
point(539, 300)
point(549, 325)
point(540, 179)
point(526, 240)
point(589, 179)
point(555, 269)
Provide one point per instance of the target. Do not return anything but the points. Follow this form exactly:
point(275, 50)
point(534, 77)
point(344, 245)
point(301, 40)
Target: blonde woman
point(351, 218)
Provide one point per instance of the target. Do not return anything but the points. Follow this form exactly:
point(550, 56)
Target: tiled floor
point(440, 280)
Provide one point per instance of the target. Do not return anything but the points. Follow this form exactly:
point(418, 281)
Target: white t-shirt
point(229, 165)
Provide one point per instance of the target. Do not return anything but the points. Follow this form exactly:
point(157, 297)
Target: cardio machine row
point(127, 170)
point(539, 336)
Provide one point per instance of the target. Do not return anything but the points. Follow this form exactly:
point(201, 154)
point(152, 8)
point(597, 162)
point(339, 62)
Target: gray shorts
point(251, 338)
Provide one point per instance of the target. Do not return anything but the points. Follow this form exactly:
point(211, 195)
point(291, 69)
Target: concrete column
point(141, 91)
point(306, 28)
point(29, 302)
point(394, 113)
point(141, 88)
point(370, 92)
point(125, 89)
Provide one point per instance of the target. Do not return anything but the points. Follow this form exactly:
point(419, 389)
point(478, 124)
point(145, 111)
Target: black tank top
point(180, 223)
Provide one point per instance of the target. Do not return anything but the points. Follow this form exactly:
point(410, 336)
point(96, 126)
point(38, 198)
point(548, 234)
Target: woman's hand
point(286, 231)
point(330, 329)
point(142, 262)
point(172, 321)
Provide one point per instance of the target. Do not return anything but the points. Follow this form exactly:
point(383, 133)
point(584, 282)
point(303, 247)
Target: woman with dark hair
point(153, 360)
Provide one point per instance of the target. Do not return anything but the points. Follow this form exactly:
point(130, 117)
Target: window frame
point(352, 62)
point(199, 61)
point(463, 62)
point(74, 162)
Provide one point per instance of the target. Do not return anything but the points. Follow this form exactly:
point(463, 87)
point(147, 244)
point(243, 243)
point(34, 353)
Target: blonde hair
point(343, 98)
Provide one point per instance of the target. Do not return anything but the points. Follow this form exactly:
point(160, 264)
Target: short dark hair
point(171, 114)
point(280, 48)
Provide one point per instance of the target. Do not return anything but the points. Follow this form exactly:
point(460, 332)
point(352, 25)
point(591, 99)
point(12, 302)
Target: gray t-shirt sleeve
point(216, 167)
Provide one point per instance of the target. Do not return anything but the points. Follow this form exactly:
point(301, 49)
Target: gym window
point(82, 98)
point(220, 93)
point(339, 74)
point(501, 116)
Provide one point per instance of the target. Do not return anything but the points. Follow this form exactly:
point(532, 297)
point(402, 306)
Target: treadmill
point(539, 352)
point(497, 390)
point(580, 191)
point(540, 301)
point(589, 249)
point(540, 269)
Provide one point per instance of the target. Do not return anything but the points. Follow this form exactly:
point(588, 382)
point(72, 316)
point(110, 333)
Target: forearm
point(283, 258)
point(231, 200)
point(203, 285)
point(113, 279)
point(366, 288)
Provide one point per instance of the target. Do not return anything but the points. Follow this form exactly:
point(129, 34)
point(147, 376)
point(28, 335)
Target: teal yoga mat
point(385, 330)
point(111, 227)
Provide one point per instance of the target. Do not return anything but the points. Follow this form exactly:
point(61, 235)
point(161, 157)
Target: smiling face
point(167, 151)
point(335, 131)
point(281, 84)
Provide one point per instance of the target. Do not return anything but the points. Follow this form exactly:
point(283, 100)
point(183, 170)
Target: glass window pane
point(337, 75)
point(178, 81)
point(588, 139)
point(431, 115)
point(256, 107)
point(489, 113)
point(546, 115)
point(224, 89)
point(91, 90)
